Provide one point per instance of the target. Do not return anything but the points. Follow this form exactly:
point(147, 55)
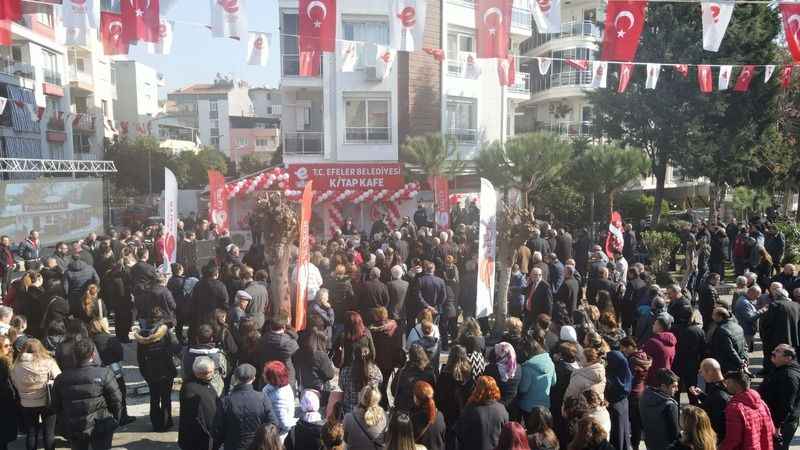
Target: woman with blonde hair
point(33, 370)
point(91, 306)
point(8, 398)
point(590, 435)
point(591, 375)
point(364, 426)
point(696, 431)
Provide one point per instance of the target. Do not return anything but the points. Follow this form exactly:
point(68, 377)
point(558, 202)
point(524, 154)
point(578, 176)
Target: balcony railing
point(583, 128)
point(367, 135)
point(52, 77)
point(274, 110)
point(55, 124)
point(463, 136)
point(553, 80)
point(582, 28)
point(303, 143)
point(521, 17)
point(522, 83)
point(290, 65)
point(81, 77)
point(84, 122)
point(20, 69)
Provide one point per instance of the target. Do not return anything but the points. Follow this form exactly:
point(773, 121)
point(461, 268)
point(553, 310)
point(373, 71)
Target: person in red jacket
point(660, 348)
point(748, 423)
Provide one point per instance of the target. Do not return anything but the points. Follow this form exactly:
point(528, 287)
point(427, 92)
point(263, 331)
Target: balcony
point(576, 128)
point(274, 110)
point(583, 29)
point(83, 123)
point(303, 143)
point(18, 69)
point(522, 83)
point(573, 78)
point(80, 80)
point(367, 135)
point(55, 124)
point(463, 136)
point(521, 17)
point(52, 77)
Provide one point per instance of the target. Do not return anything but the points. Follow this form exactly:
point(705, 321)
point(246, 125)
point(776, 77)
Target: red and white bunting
point(625, 73)
point(724, 77)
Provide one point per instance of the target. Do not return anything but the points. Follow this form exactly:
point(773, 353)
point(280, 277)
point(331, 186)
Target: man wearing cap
point(242, 299)
point(242, 412)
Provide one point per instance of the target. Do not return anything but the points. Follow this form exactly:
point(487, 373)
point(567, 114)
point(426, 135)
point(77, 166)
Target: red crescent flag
point(141, 19)
point(299, 321)
point(217, 200)
point(614, 240)
point(682, 69)
point(705, 78)
point(745, 77)
point(112, 33)
point(625, 72)
point(506, 71)
point(790, 14)
point(493, 25)
point(309, 63)
point(317, 25)
point(786, 76)
point(579, 64)
point(624, 24)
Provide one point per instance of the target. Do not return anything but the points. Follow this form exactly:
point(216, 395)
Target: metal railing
point(522, 83)
point(81, 76)
point(55, 124)
point(274, 110)
point(463, 136)
point(20, 69)
point(83, 122)
point(574, 128)
point(303, 143)
point(52, 77)
point(367, 135)
point(553, 80)
point(290, 65)
point(580, 28)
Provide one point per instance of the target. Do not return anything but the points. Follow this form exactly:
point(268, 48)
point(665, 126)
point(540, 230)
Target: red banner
point(217, 200)
point(299, 321)
point(493, 24)
point(112, 33)
point(317, 25)
point(441, 195)
point(141, 20)
point(790, 13)
point(340, 177)
point(624, 24)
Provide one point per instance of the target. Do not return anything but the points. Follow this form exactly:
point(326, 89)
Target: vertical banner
point(487, 248)
point(170, 215)
point(614, 240)
point(441, 195)
point(218, 200)
point(299, 321)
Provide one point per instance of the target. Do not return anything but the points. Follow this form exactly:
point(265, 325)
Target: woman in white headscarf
point(503, 368)
point(306, 433)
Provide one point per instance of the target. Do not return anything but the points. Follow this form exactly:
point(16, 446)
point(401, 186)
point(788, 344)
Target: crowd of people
point(595, 354)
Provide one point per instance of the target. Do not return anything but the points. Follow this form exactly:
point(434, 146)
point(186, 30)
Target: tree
point(191, 169)
point(526, 162)
point(608, 168)
point(675, 123)
point(133, 159)
point(514, 227)
point(252, 164)
point(433, 156)
point(278, 220)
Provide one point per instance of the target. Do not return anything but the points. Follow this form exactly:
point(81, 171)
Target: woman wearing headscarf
point(307, 432)
point(619, 380)
point(505, 372)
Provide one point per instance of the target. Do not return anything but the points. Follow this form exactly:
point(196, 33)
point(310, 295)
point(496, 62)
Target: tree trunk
point(279, 292)
point(714, 197)
point(591, 216)
point(505, 256)
point(660, 172)
point(610, 204)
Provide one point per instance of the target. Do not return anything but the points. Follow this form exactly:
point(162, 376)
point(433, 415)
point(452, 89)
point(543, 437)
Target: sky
point(197, 57)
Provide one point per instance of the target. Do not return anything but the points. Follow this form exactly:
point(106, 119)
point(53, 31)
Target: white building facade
point(137, 96)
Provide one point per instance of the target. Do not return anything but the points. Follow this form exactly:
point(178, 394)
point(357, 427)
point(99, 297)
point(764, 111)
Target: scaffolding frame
point(23, 165)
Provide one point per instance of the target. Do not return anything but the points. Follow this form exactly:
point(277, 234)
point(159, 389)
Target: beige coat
point(31, 377)
point(589, 377)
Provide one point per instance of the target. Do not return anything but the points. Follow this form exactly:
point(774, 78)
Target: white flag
point(716, 17)
point(257, 49)
point(170, 216)
point(470, 66)
point(3, 103)
point(653, 71)
point(487, 249)
point(348, 55)
point(599, 74)
point(544, 65)
point(768, 71)
point(724, 77)
point(547, 14)
point(228, 19)
point(165, 34)
point(408, 26)
point(78, 17)
point(384, 59)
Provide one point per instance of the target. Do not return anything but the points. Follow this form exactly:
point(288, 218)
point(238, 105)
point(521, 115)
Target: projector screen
point(60, 209)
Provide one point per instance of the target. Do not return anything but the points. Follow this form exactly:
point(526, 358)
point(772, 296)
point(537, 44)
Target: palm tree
point(608, 168)
point(525, 162)
point(432, 155)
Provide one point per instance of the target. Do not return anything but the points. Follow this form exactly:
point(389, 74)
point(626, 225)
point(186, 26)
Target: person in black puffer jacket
point(77, 278)
point(156, 345)
point(87, 400)
point(727, 342)
point(156, 296)
point(418, 368)
point(111, 355)
point(204, 345)
point(242, 411)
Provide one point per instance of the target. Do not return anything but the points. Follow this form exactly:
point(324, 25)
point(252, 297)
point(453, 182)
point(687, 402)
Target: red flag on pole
point(682, 69)
point(141, 19)
point(299, 321)
point(493, 25)
point(317, 25)
point(112, 34)
point(790, 14)
point(624, 24)
point(217, 200)
point(614, 240)
point(786, 76)
point(745, 77)
point(704, 78)
point(625, 72)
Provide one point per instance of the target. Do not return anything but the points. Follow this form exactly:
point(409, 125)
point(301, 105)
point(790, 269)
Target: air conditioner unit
point(373, 74)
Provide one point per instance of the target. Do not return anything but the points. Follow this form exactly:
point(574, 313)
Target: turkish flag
point(317, 24)
point(10, 10)
point(309, 63)
point(745, 77)
point(506, 71)
point(625, 73)
point(786, 76)
point(624, 24)
point(704, 78)
point(682, 69)
point(141, 20)
point(112, 33)
point(493, 25)
point(580, 64)
point(790, 12)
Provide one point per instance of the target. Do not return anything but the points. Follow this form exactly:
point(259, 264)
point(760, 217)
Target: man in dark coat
point(780, 324)
point(601, 282)
point(373, 293)
point(256, 286)
point(630, 243)
point(564, 245)
point(775, 243)
point(714, 398)
point(716, 260)
point(569, 292)
point(431, 290)
point(83, 253)
point(780, 390)
point(142, 273)
point(400, 246)
point(731, 231)
point(635, 291)
point(708, 299)
point(88, 400)
point(198, 406)
point(156, 296)
point(537, 243)
point(556, 272)
point(279, 343)
point(77, 278)
point(540, 297)
point(242, 411)
point(680, 308)
point(397, 288)
point(728, 345)
point(208, 294)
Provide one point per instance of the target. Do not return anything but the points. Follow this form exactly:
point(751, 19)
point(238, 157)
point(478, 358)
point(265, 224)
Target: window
point(269, 109)
point(214, 123)
point(290, 59)
point(16, 53)
point(263, 142)
point(56, 150)
point(457, 45)
point(269, 96)
point(367, 120)
point(113, 76)
point(53, 105)
point(104, 107)
point(215, 141)
point(242, 142)
point(81, 143)
point(462, 118)
point(213, 106)
point(374, 30)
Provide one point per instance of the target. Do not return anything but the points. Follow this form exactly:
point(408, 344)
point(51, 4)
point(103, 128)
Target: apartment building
point(356, 116)
point(207, 108)
point(137, 96)
point(259, 136)
point(266, 102)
